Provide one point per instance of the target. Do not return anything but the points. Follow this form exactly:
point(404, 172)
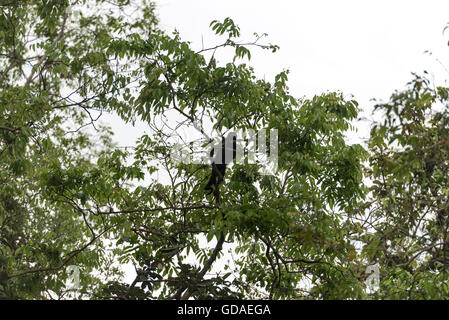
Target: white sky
point(368, 48)
point(364, 48)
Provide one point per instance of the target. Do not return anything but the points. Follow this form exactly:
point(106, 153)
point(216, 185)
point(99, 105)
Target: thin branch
point(203, 271)
point(44, 56)
point(158, 209)
point(70, 257)
point(9, 129)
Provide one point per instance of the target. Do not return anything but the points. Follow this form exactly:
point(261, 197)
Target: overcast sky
point(364, 48)
point(368, 48)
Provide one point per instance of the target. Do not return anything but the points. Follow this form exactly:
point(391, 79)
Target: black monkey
point(223, 154)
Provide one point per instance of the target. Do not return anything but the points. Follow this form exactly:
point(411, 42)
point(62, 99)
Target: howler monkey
point(221, 154)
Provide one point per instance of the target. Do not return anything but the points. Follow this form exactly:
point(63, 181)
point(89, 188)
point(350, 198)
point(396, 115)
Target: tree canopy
point(72, 199)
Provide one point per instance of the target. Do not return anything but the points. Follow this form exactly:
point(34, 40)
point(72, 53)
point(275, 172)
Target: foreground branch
point(66, 260)
point(178, 295)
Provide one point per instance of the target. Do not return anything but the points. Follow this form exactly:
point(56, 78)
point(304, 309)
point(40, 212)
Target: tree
point(72, 197)
point(404, 223)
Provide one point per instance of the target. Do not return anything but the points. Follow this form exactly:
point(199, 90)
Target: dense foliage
point(71, 199)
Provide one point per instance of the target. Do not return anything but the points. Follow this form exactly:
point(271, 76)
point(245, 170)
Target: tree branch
point(206, 267)
point(9, 129)
point(70, 257)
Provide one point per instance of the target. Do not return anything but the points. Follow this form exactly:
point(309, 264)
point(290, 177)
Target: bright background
point(366, 49)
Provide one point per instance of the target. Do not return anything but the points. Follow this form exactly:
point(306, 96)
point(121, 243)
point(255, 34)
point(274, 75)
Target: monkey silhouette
point(221, 155)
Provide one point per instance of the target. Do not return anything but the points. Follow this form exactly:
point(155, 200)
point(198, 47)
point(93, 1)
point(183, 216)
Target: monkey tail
point(208, 188)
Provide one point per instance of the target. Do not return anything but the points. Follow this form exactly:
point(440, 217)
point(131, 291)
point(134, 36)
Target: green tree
point(404, 222)
point(72, 197)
